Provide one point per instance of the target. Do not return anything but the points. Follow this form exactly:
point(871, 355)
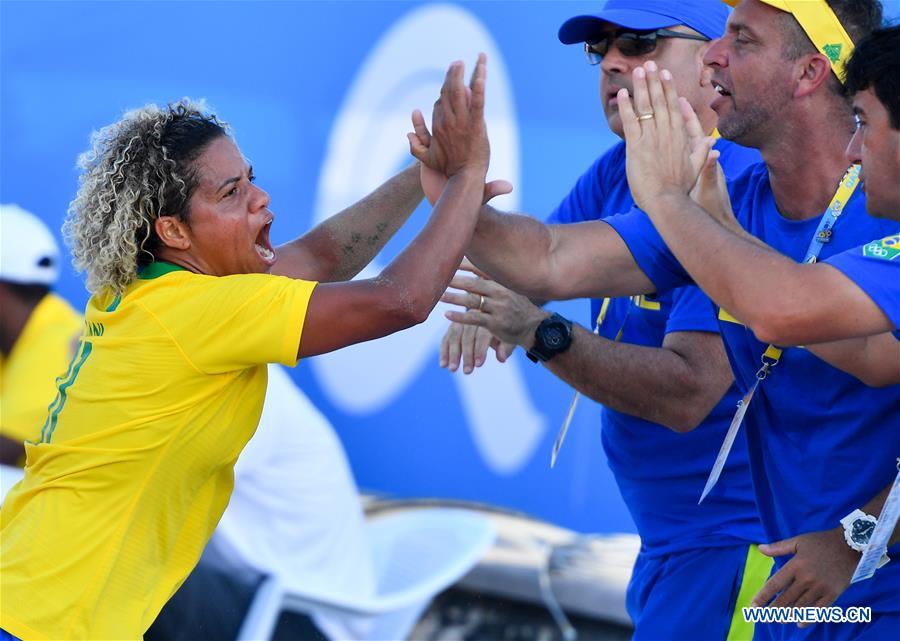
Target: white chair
point(417, 554)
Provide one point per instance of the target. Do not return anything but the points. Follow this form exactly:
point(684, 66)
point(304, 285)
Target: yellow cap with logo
point(821, 25)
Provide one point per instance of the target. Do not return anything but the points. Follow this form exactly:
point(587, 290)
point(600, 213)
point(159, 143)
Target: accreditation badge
point(877, 550)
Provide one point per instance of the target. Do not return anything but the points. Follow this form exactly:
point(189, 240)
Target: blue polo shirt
point(661, 473)
point(875, 268)
point(821, 443)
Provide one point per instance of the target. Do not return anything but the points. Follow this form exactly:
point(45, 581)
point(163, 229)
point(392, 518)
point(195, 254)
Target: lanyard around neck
point(601, 318)
point(824, 234)
point(825, 230)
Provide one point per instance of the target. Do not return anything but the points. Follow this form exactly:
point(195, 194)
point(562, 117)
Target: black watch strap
point(553, 336)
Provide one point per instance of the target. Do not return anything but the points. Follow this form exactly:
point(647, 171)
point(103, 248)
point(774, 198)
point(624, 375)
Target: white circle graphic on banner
point(367, 144)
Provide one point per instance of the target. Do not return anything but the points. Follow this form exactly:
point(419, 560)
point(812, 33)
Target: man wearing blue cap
point(667, 371)
point(822, 445)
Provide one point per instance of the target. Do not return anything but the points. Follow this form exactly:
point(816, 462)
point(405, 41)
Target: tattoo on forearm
point(356, 238)
point(375, 238)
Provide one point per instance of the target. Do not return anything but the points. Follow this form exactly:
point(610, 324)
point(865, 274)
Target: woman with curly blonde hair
point(129, 474)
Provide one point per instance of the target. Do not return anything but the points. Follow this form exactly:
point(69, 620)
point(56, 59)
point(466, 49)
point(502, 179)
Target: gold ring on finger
point(481, 303)
point(648, 116)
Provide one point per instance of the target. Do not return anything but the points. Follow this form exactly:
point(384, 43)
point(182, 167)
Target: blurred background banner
point(319, 95)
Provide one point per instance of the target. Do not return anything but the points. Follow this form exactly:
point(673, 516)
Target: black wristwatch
point(553, 336)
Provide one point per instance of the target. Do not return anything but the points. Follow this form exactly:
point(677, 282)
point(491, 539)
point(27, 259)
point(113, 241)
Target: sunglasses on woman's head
point(631, 43)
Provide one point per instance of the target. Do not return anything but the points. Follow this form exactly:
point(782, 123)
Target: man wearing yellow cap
point(788, 303)
point(860, 283)
point(822, 444)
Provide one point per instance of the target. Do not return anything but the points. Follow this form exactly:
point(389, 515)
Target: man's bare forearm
point(875, 360)
point(659, 385)
point(514, 249)
point(340, 247)
point(675, 384)
point(783, 302)
point(555, 262)
point(717, 258)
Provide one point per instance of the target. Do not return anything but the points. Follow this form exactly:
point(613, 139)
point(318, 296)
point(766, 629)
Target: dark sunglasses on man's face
point(631, 43)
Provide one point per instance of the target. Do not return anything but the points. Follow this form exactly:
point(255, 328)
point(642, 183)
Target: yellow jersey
point(28, 374)
point(131, 470)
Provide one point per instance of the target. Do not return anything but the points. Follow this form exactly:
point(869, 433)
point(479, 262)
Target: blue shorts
point(6, 636)
point(696, 595)
point(884, 626)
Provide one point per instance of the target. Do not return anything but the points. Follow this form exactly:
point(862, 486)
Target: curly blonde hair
point(136, 170)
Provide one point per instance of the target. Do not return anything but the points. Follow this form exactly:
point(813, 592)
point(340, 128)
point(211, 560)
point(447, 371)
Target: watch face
point(861, 531)
point(554, 336)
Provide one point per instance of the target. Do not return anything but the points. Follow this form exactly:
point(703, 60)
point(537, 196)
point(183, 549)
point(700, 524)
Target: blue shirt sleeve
point(647, 246)
point(692, 311)
point(603, 190)
point(649, 251)
point(875, 268)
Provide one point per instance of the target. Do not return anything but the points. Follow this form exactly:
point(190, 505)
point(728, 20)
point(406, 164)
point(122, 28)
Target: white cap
point(29, 254)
